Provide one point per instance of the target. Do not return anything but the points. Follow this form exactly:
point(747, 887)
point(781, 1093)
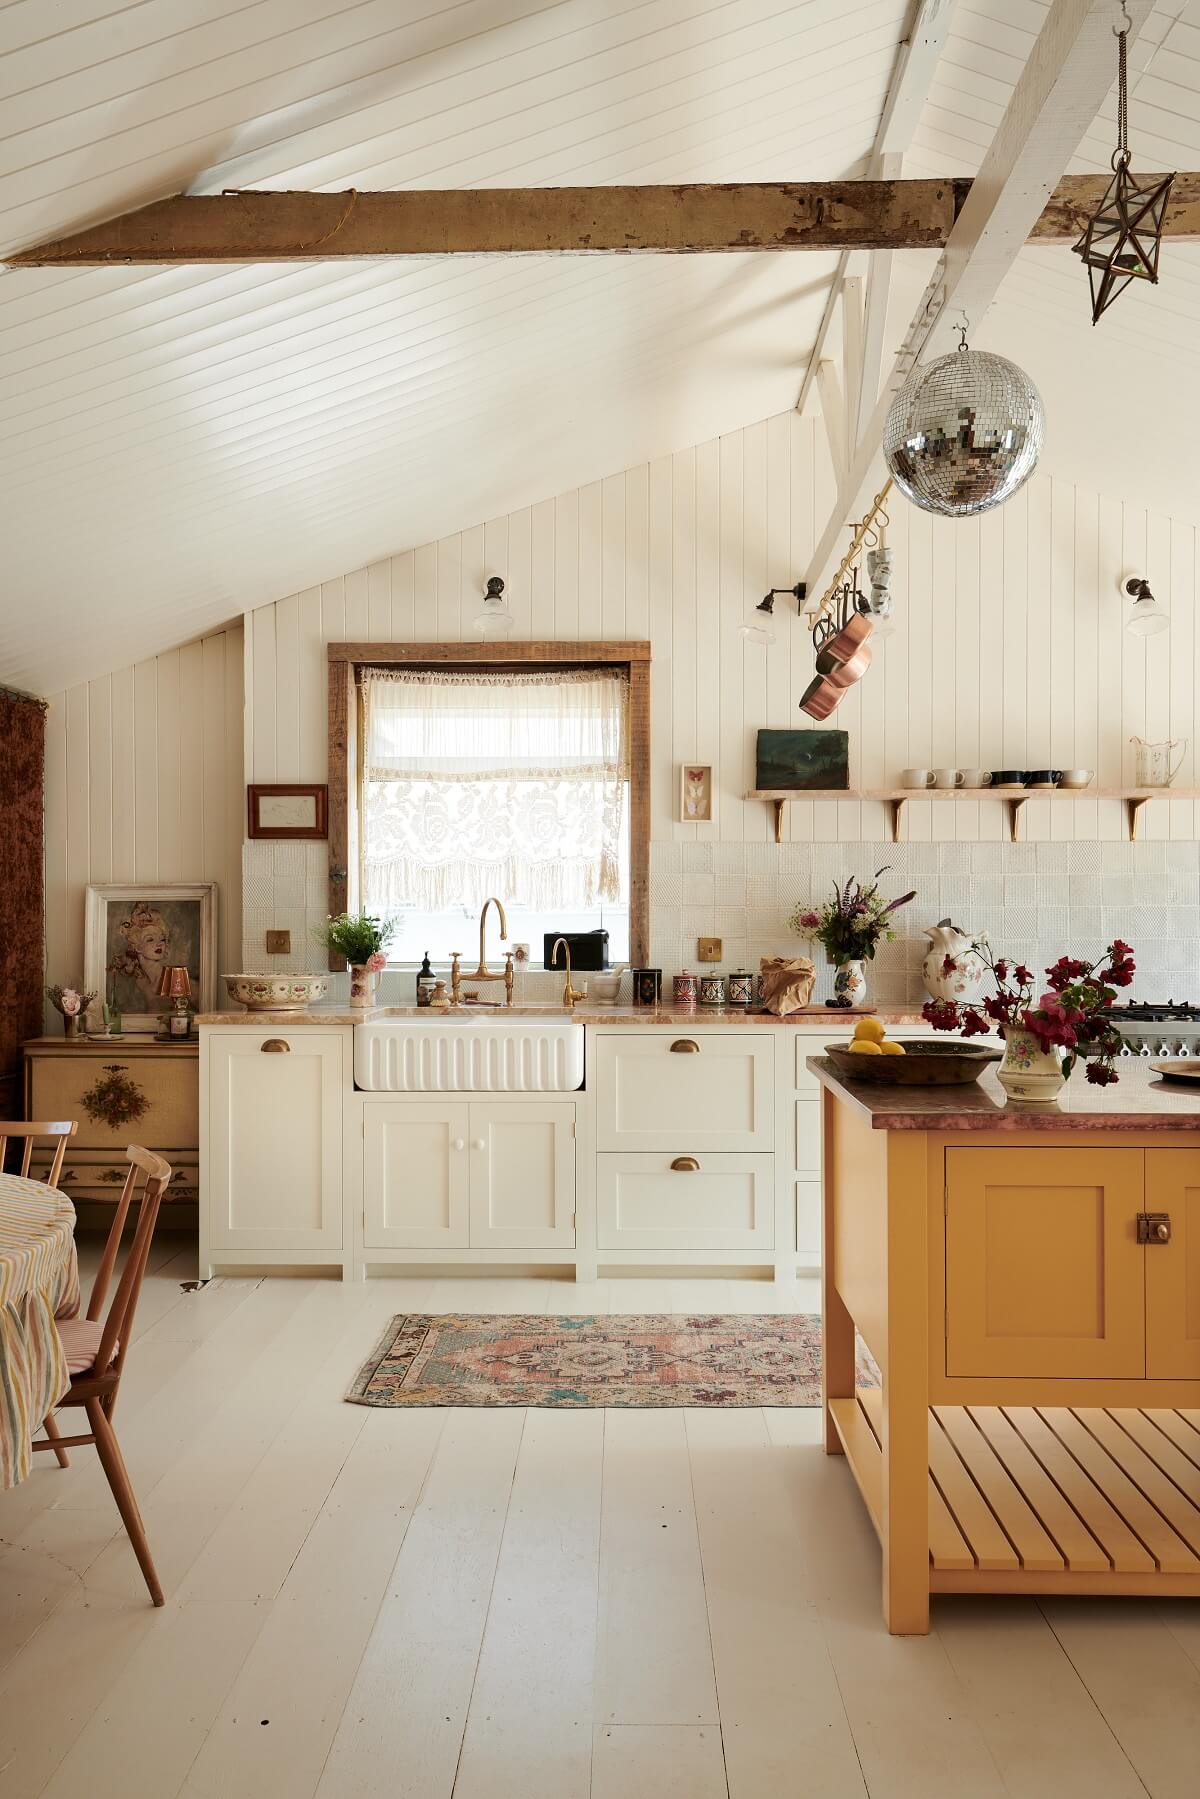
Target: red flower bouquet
point(1072, 1015)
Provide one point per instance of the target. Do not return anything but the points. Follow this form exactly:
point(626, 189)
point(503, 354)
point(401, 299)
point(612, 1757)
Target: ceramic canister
point(712, 989)
point(685, 989)
point(647, 986)
point(739, 988)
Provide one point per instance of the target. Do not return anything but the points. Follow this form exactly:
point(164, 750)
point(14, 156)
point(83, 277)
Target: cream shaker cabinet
point(472, 1174)
point(274, 1137)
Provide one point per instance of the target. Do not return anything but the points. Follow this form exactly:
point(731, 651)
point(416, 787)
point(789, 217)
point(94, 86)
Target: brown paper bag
point(787, 984)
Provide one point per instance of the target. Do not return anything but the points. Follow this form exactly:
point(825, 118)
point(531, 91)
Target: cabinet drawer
point(642, 1202)
point(653, 1093)
point(119, 1099)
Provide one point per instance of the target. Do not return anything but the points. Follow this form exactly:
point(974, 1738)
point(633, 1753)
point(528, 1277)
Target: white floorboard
point(493, 1604)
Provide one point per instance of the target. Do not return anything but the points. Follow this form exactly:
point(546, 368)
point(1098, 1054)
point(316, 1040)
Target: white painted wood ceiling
point(179, 445)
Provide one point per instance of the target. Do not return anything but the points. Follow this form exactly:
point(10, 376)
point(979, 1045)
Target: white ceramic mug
point(974, 777)
point(916, 777)
point(1076, 777)
point(947, 777)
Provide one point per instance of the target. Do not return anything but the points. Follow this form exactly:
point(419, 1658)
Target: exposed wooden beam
point(257, 227)
point(1060, 90)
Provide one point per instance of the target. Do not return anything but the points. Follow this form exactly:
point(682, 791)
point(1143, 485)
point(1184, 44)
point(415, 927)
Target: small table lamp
point(176, 984)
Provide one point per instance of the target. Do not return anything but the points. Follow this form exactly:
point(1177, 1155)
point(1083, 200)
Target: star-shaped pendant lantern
point(1122, 239)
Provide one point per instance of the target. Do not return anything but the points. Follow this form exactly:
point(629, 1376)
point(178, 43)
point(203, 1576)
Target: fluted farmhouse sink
point(457, 1054)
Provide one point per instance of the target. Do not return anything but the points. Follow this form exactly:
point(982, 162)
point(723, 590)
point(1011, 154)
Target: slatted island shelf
point(1026, 1282)
point(896, 798)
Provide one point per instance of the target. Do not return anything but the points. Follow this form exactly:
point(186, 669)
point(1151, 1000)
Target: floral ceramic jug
point(1157, 764)
point(953, 967)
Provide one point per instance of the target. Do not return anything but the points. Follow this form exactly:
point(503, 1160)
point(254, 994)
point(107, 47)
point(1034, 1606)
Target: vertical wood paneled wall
point(1008, 645)
point(144, 783)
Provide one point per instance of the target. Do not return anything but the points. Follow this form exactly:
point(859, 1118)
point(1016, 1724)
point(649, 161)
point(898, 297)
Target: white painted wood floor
point(520, 1605)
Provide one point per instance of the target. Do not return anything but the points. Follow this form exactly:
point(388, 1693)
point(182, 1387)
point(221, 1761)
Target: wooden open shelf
point(896, 798)
point(1047, 1499)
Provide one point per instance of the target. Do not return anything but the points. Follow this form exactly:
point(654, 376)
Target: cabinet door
point(275, 1139)
point(687, 1091)
point(416, 1174)
point(1043, 1266)
point(522, 1175)
point(685, 1202)
point(1173, 1268)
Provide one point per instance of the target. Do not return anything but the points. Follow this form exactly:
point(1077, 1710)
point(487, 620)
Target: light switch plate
point(708, 949)
point(279, 943)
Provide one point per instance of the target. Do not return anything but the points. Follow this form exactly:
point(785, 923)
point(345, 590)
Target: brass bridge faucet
point(482, 973)
point(569, 995)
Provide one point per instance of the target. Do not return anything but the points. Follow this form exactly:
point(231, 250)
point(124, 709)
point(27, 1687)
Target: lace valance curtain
point(493, 783)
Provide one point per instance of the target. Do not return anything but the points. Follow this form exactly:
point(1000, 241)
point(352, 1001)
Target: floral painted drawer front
point(118, 1098)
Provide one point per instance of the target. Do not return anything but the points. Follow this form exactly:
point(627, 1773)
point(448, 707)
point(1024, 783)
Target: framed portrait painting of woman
point(132, 933)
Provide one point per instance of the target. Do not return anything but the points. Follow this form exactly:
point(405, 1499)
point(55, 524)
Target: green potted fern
point(360, 938)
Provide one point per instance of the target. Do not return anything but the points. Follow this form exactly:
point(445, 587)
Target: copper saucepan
point(821, 697)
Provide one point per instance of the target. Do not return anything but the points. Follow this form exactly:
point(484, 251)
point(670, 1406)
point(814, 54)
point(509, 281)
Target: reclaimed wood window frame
point(345, 660)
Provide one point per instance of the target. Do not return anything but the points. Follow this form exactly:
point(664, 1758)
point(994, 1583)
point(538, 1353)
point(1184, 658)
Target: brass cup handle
point(275, 1046)
point(685, 1046)
point(685, 1164)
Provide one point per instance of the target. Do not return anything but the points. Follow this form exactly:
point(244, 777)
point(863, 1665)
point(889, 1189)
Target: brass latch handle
point(1154, 1227)
point(685, 1164)
point(275, 1046)
point(685, 1046)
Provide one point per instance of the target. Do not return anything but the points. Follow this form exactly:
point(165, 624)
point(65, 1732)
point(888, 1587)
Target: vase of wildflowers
point(1045, 1040)
point(850, 927)
point(360, 939)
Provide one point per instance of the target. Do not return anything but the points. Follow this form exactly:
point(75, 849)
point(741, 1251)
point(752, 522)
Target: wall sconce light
point(763, 633)
point(1147, 616)
point(495, 619)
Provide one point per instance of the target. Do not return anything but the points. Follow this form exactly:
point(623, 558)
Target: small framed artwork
point(283, 809)
point(695, 793)
point(133, 933)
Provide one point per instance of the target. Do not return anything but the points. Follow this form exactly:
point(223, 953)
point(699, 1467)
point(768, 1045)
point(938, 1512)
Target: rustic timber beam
point(256, 226)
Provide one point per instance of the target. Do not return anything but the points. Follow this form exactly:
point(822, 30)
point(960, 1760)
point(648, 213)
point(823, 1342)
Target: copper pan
point(821, 697)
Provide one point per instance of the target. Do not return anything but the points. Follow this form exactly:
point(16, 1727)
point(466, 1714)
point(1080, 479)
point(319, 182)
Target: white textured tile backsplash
point(1033, 900)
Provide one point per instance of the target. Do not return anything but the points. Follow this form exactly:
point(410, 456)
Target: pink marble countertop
point(1139, 1101)
point(827, 1018)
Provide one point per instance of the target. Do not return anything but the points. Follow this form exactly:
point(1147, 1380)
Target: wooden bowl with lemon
point(913, 1062)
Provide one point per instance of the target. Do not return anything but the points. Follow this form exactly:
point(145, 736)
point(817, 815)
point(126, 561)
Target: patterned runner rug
point(655, 1360)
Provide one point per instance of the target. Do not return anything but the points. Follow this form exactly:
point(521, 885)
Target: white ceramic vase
point(850, 983)
point(965, 981)
point(1029, 1074)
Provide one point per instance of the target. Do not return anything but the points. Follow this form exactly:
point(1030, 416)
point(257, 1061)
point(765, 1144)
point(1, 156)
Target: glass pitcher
point(1157, 764)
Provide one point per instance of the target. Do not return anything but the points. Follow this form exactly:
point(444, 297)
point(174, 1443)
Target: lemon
point(889, 1048)
point(861, 1047)
point(869, 1030)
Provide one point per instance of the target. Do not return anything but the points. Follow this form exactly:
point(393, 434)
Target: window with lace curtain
point(494, 781)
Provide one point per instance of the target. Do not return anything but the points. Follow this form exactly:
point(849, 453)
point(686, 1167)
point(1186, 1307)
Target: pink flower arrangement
point(377, 963)
point(1072, 1015)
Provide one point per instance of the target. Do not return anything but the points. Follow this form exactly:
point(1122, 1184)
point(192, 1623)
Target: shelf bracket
point(896, 807)
point(1134, 808)
point(1014, 812)
point(779, 805)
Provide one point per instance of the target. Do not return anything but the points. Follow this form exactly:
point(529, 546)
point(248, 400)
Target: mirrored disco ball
point(964, 433)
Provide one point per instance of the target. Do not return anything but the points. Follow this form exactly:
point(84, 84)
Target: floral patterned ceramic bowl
point(276, 992)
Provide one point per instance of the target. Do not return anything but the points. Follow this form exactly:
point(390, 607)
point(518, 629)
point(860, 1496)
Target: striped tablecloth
point(39, 1281)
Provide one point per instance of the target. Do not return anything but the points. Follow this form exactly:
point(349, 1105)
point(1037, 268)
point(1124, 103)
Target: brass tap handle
point(455, 977)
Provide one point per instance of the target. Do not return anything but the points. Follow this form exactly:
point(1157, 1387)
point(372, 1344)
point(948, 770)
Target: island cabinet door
point(416, 1174)
point(1044, 1271)
point(1173, 1267)
point(275, 1139)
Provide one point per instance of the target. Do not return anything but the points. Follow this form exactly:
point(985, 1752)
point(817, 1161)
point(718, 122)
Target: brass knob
point(685, 1046)
point(1162, 1232)
point(275, 1046)
point(685, 1164)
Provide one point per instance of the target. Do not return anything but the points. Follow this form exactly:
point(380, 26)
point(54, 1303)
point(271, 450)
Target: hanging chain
point(1121, 155)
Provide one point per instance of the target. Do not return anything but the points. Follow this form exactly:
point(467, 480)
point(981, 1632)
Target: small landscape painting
point(134, 933)
point(802, 759)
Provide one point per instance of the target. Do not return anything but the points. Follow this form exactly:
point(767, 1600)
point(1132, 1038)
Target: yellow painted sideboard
point(119, 1091)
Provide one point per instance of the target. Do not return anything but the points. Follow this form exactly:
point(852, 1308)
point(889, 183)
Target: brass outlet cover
point(708, 949)
point(279, 943)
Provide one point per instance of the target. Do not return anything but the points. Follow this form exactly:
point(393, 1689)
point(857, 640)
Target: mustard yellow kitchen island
point(1028, 1282)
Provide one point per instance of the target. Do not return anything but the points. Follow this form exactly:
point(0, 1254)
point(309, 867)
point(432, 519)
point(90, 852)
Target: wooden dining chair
point(96, 1350)
point(30, 1133)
